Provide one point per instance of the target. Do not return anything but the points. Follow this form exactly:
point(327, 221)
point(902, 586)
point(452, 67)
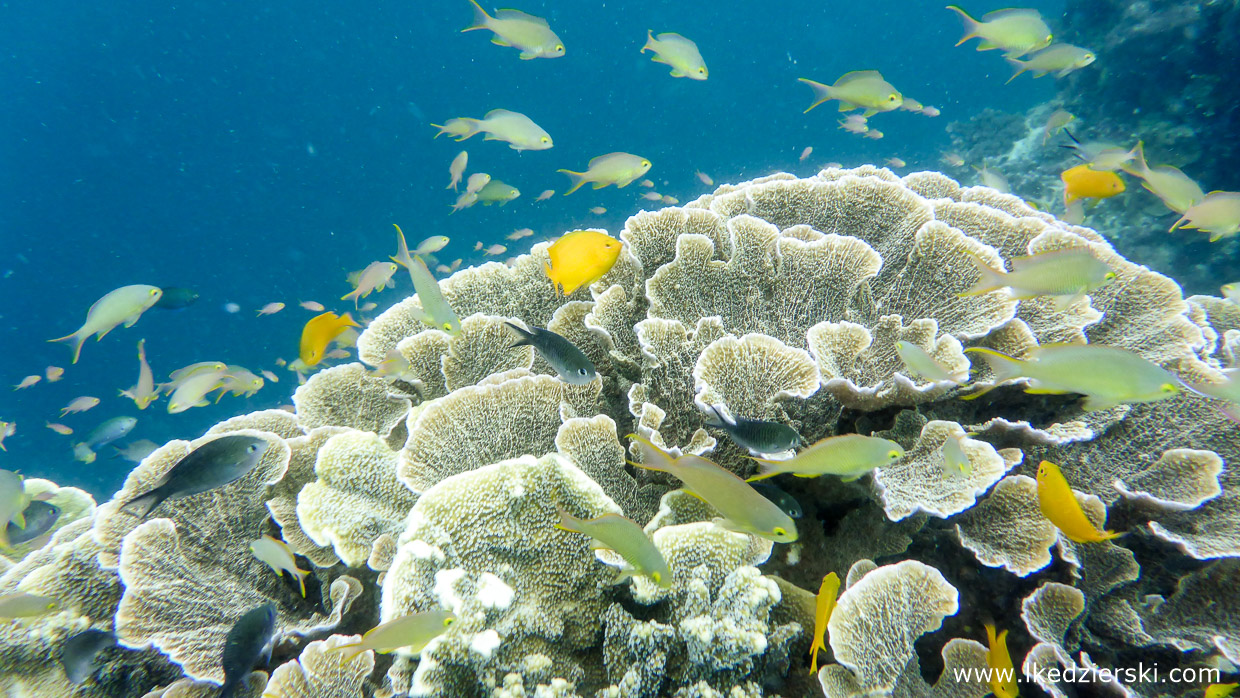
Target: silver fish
point(40, 517)
point(213, 464)
point(109, 431)
point(755, 434)
point(574, 367)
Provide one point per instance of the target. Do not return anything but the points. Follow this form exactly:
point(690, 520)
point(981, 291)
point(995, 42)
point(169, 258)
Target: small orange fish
point(580, 258)
point(319, 332)
point(1084, 182)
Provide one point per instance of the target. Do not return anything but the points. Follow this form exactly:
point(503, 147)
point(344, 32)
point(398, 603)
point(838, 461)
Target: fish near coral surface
point(412, 632)
point(1067, 274)
point(573, 367)
point(1059, 505)
point(860, 89)
point(828, 593)
point(849, 456)
point(319, 331)
point(212, 465)
point(755, 434)
point(620, 169)
point(580, 258)
point(1002, 672)
point(1217, 214)
point(626, 538)
point(247, 642)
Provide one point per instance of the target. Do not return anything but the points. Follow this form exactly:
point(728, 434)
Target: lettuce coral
point(428, 475)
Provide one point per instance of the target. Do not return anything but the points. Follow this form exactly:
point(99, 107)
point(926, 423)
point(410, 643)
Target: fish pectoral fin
point(676, 73)
point(596, 544)
point(691, 493)
point(499, 41)
point(1062, 303)
point(1046, 391)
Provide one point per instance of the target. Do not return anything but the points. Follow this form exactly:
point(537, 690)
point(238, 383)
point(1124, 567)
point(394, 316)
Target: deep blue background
point(257, 151)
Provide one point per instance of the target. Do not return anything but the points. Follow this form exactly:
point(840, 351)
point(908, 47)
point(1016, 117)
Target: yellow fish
point(412, 632)
point(827, 595)
point(532, 35)
point(1220, 690)
point(1217, 214)
point(1084, 182)
point(319, 332)
point(680, 53)
point(849, 456)
point(1002, 673)
point(514, 128)
point(1058, 504)
point(620, 169)
point(1065, 273)
point(457, 128)
point(580, 258)
point(143, 392)
point(497, 192)
point(860, 89)
point(121, 306)
point(1017, 30)
point(1055, 123)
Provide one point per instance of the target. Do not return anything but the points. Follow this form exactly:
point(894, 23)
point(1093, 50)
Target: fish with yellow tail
point(375, 277)
point(580, 258)
point(1060, 59)
point(625, 538)
point(1084, 182)
point(122, 306)
point(1059, 505)
point(411, 632)
point(1176, 190)
point(1002, 672)
point(1067, 274)
point(921, 362)
point(1220, 690)
point(529, 34)
point(280, 558)
point(143, 393)
point(620, 169)
point(1217, 214)
point(860, 89)
point(828, 593)
point(1016, 31)
point(319, 332)
point(514, 128)
point(743, 508)
point(849, 456)
point(458, 128)
point(676, 51)
point(1106, 376)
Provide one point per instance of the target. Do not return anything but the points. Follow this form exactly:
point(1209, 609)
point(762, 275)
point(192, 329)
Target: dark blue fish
point(574, 367)
point(756, 435)
point(213, 464)
point(40, 517)
point(247, 643)
point(78, 653)
point(786, 502)
point(175, 298)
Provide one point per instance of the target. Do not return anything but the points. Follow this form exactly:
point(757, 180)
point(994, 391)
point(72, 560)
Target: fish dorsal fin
point(1039, 257)
point(521, 16)
point(600, 158)
point(499, 112)
point(858, 75)
point(1010, 12)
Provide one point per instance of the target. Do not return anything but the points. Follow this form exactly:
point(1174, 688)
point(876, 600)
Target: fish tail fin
point(717, 419)
point(143, 504)
point(649, 41)
point(301, 580)
point(766, 469)
point(1019, 65)
point(991, 280)
point(1005, 367)
point(1177, 224)
point(647, 450)
point(567, 520)
point(524, 337)
point(481, 18)
point(578, 179)
point(77, 340)
point(970, 24)
point(1138, 167)
point(822, 92)
point(442, 130)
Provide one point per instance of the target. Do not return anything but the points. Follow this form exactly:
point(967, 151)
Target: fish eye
point(447, 326)
point(448, 621)
point(891, 98)
point(701, 70)
point(545, 139)
point(251, 448)
point(893, 454)
point(582, 372)
point(1168, 388)
point(1109, 275)
point(645, 163)
point(656, 577)
point(1050, 36)
point(154, 291)
point(779, 531)
point(559, 47)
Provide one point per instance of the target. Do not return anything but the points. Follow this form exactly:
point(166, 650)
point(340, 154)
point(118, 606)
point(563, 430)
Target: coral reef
point(781, 299)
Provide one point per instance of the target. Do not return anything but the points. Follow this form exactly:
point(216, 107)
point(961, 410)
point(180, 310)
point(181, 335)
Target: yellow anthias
point(1016, 30)
point(620, 169)
point(678, 52)
point(860, 89)
point(828, 594)
point(121, 306)
point(531, 35)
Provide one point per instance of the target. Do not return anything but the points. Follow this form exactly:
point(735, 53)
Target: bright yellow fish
point(1002, 673)
point(1058, 504)
point(1084, 182)
point(1016, 30)
point(580, 258)
point(121, 306)
point(1220, 690)
point(319, 332)
point(828, 593)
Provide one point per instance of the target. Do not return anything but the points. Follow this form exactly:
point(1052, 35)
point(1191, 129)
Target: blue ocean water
point(258, 151)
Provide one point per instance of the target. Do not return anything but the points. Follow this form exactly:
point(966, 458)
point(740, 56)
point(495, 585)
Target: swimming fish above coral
point(209, 466)
point(625, 538)
point(412, 632)
point(849, 456)
point(375, 277)
point(1176, 190)
point(318, 332)
point(1060, 59)
point(620, 169)
point(40, 517)
point(1065, 273)
point(580, 258)
point(1002, 674)
point(122, 306)
point(78, 653)
point(514, 128)
point(742, 507)
point(860, 89)
point(1016, 31)
point(920, 362)
point(573, 367)
point(20, 604)
point(280, 558)
point(457, 169)
point(1217, 214)
point(1059, 505)
point(755, 434)
point(531, 35)
point(1084, 182)
point(678, 52)
point(824, 603)
point(1106, 376)
point(107, 432)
